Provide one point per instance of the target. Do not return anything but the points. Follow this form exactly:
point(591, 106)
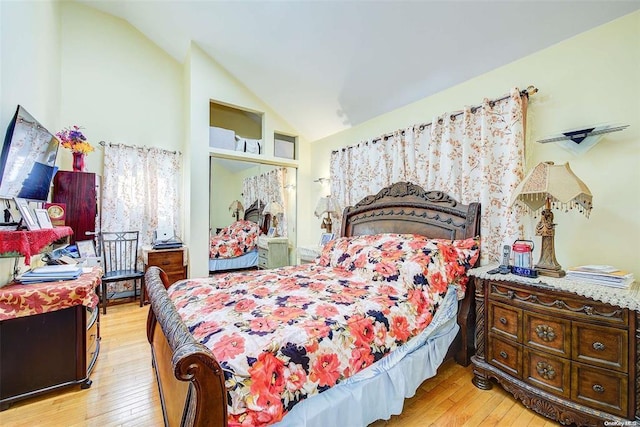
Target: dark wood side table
point(171, 261)
point(568, 350)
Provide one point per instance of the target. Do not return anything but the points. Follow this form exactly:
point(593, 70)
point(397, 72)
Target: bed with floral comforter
point(235, 240)
point(287, 334)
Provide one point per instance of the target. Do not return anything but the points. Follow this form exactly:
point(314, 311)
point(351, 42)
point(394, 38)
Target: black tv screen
point(28, 159)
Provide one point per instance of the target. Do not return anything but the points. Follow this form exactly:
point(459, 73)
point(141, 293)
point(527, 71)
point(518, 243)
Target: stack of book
point(50, 273)
point(606, 275)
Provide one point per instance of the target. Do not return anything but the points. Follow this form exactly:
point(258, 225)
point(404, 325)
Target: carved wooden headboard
point(254, 214)
point(406, 208)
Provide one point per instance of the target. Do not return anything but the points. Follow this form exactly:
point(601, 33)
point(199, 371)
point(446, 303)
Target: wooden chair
point(120, 263)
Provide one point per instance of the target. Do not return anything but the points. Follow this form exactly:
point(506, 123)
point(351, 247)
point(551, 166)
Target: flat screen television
point(28, 159)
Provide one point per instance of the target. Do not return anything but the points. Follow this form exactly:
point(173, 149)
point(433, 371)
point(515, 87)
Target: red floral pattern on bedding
point(235, 240)
point(286, 334)
point(373, 255)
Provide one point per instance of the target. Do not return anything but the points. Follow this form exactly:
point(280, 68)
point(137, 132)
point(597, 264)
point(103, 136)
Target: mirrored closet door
point(228, 185)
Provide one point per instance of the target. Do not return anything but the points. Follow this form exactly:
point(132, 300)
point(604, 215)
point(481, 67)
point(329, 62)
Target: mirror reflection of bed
point(227, 187)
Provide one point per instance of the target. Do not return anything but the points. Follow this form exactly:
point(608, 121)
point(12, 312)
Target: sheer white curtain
point(140, 191)
point(474, 156)
point(267, 187)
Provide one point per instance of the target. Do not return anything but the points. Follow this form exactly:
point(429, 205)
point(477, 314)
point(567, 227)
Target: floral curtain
point(141, 191)
point(474, 156)
point(267, 187)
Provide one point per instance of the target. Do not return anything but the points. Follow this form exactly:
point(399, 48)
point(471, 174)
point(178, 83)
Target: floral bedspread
point(235, 240)
point(287, 334)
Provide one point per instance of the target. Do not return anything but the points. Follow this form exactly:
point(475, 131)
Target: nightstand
point(308, 254)
point(171, 261)
point(273, 252)
point(566, 349)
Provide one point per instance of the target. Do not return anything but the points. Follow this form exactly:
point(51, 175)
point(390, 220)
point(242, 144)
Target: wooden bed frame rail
point(185, 369)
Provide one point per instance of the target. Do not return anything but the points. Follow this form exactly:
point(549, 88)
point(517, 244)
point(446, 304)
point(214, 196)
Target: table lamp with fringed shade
point(274, 209)
point(551, 186)
point(236, 207)
point(329, 206)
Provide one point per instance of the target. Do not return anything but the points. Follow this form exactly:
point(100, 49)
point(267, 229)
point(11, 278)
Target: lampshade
point(556, 182)
point(273, 208)
point(547, 186)
point(236, 206)
point(325, 205)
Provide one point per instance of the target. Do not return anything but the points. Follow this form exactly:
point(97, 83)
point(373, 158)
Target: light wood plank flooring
point(124, 392)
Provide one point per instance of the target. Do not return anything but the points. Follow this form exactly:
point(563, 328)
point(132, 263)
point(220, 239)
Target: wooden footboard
point(185, 369)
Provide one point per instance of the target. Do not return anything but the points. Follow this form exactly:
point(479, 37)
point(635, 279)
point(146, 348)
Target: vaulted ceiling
point(327, 65)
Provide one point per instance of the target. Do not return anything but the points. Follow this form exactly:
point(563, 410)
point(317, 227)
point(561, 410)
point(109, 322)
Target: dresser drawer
point(170, 261)
point(548, 372)
point(506, 321)
point(547, 333)
point(263, 258)
point(600, 388)
point(601, 346)
point(505, 354)
point(557, 303)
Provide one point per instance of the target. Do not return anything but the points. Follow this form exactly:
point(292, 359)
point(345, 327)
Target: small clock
point(57, 212)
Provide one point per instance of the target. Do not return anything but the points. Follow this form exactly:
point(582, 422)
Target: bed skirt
point(379, 391)
point(248, 260)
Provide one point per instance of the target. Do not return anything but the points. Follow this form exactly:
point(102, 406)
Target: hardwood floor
point(124, 391)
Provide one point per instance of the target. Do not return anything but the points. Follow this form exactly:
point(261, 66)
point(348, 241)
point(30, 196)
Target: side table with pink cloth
point(49, 336)
point(18, 300)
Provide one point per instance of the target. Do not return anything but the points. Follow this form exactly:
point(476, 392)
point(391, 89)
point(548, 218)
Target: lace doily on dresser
point(625, 298)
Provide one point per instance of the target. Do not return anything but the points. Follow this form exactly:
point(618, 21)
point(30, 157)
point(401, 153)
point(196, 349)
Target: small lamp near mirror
point(274, 209)
point(236, 207)
point(329, 206)
point(546, 186)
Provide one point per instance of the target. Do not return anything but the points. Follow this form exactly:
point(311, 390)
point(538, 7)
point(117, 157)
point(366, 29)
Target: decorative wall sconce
point(581, 140)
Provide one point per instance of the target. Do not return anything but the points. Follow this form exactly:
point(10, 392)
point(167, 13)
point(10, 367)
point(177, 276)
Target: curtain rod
point(111, 144)
point(525, 92)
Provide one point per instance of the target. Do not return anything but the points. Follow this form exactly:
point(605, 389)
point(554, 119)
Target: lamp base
point(326, 223)
point(551, 272)
point(548, 265)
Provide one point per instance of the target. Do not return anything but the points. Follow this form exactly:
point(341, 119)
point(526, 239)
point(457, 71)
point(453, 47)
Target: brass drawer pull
point(598, 388)
point(545, 333)
point(545, 370)
point(598, 346)
point(503, 320)
point(504, 355)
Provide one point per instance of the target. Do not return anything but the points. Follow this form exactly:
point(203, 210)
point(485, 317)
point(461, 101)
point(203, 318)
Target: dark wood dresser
point(79, 191)
point(569, 357)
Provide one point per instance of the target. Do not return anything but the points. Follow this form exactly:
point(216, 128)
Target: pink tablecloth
point(28, 243)
point(17, 300)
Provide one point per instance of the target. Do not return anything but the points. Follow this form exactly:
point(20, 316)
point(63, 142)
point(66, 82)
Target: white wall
point(117, 84)
point(590, 79)
point(29, 70)
point(209, 81)
point(69, 64)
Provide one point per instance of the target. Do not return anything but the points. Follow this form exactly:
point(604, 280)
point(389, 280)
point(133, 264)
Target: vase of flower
point(73, 139)
point(78, 162)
